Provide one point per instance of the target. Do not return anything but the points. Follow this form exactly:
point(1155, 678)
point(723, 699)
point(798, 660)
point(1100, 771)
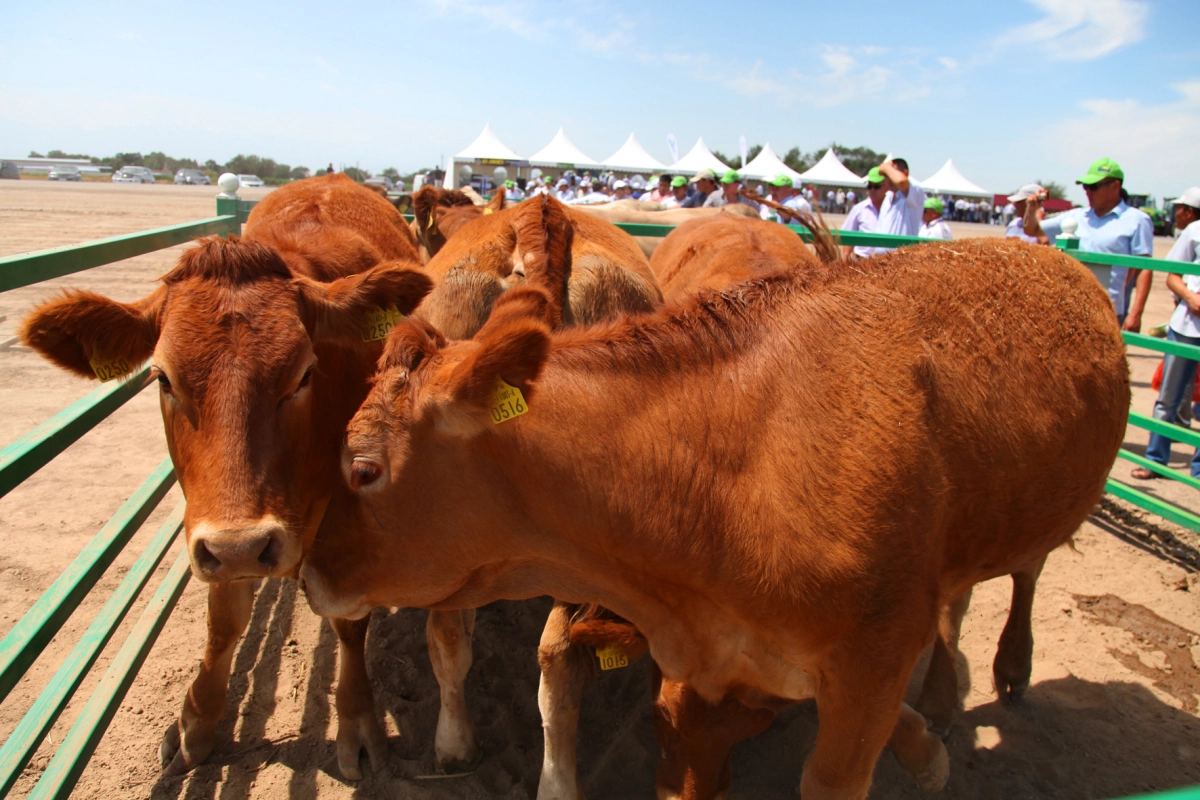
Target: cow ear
point(497, 201)
point(410, 343)
point(544, 233)
point(344, 309)
point(79, 329)
point(512, 346)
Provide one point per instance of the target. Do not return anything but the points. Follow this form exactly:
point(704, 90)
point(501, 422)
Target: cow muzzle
point(228, 552)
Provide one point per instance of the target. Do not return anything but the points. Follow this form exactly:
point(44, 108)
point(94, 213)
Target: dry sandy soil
point(1112, 710)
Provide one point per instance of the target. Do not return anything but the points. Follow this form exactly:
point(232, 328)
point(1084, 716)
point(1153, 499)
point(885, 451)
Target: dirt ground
point(1112, 710)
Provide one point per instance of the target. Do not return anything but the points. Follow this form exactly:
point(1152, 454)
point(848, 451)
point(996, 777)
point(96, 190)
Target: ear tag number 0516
point(507, 402)
point(108, 369)
point(611, 657)
point(379, 322)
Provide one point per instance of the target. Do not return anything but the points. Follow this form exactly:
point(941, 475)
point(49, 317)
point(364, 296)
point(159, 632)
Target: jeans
point(1177, 380)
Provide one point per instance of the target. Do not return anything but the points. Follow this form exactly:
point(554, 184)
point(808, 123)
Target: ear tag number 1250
point(379, 322)
point(108, 369)
point(507, 402)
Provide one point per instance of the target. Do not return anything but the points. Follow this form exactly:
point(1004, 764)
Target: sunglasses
point(873, 186)
point(1095, 187)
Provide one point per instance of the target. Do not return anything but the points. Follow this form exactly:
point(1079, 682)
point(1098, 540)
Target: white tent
point(561, 151)
point(948, 180)
point(632, 157)
point(767, 165)
point(486, 146)
point(830, 171)
point(698, 158)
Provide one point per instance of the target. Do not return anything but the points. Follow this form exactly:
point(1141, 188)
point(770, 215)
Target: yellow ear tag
point(108, 369)
point(611, 657)
point(379, 322)
point(487, 211)
point(507, 402)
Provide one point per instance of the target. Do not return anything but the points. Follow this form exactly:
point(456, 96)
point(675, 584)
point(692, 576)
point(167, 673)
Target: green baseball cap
point(874, 175)
point(678, 181)
point(509, 184)
point(781, 180)
point(731, 176)
point(1102, 169)
point(935, 203)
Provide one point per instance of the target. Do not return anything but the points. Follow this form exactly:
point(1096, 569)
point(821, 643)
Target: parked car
point(192, 177)
point(9, 170)
point(250, 181)
point(381, 180)
point(133, 175)
point(65, 172)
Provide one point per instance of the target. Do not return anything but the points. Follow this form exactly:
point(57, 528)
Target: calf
point(779, 485)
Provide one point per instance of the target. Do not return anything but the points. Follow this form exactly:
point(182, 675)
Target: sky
point(1013, 91)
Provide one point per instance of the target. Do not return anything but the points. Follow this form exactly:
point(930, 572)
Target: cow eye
point(164, 383)
point(307, 379)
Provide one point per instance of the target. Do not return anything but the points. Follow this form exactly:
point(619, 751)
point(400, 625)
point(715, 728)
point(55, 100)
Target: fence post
point(228, 203)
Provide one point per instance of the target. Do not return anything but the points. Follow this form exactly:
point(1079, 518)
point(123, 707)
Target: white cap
point(1025, 192)
point(620, 185)
point(1190, 198)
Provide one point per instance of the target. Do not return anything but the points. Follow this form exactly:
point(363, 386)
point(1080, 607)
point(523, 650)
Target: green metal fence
point(27, 639)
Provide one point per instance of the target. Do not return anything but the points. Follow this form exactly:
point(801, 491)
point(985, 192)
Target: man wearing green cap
point(783, 192)
point(1108, 225)
point(865, 215)
point(678, 192)
point(512, 191)
point(730, 194)
point(932, 224)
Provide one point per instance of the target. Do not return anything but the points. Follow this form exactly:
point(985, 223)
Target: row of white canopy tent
point(562, 153)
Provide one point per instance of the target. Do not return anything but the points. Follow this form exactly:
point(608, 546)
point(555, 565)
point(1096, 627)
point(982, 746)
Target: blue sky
point(1011, 91)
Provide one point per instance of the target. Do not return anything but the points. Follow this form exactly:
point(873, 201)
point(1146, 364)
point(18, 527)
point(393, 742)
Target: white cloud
point(1154, 144)
point(325, 65)
point(1079, 30)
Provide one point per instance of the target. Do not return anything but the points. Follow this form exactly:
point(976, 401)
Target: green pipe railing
point(28, 638)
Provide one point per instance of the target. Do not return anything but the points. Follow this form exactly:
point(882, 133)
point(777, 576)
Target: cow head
point(257, 370)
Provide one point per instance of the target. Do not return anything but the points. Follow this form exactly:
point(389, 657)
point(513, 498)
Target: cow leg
point(939, 692)
point(189, 740)
point(358, 727)
point(449, 636)
point(1014, 655)
point(567, 671)
point(860, 702)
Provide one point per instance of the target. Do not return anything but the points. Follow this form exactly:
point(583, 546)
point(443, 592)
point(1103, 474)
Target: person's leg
point(1178, 374)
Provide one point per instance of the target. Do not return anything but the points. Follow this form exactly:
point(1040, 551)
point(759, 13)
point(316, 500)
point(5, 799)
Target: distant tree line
point(267, 169)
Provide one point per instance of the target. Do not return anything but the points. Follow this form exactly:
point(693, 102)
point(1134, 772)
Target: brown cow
point(780, 485)
point(259, 351)
point(656, 214)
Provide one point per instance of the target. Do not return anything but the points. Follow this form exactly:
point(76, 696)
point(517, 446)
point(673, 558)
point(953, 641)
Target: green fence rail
point(25, 456)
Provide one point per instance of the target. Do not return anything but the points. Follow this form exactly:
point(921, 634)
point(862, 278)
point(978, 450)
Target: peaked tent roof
point(698, 158)
point(487, 145)
point(830, 171)
point(561, 151)
point(632, 157)
point(948, 180)
point(767, 165)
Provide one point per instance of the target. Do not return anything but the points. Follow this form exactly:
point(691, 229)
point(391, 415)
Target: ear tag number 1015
point(108, 369)
point(611, 657)
point(379, 322)
point(507, 402)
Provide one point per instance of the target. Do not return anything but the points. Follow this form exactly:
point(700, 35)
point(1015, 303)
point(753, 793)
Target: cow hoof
point(933, 778)
point(355, 734)
point(1011, 689)
point(940, 732)
point(180, 756)
point(451, 765)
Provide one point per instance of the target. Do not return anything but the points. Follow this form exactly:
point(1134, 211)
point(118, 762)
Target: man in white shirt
point(1179, 372)
point(621, 191)
point(564, 193)
point(1015, 227)
point(851, 198)
point(730, 194)
point(830, 199)
point(865, 215)
point(678, 192)
point(785, 194)
point(1108, 225)
point(901, 212)
point(841, 201)
point(512, 191)
point(932, 224)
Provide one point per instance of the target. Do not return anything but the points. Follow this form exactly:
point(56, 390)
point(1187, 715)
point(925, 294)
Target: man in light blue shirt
point(901, 212)
point(1108, 225)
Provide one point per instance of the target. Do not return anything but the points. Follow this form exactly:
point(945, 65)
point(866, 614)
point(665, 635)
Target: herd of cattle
point(779, 473)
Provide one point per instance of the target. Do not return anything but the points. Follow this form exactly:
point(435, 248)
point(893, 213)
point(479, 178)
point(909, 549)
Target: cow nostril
point(206, 560)
point(364, 472)
point(269, 556)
